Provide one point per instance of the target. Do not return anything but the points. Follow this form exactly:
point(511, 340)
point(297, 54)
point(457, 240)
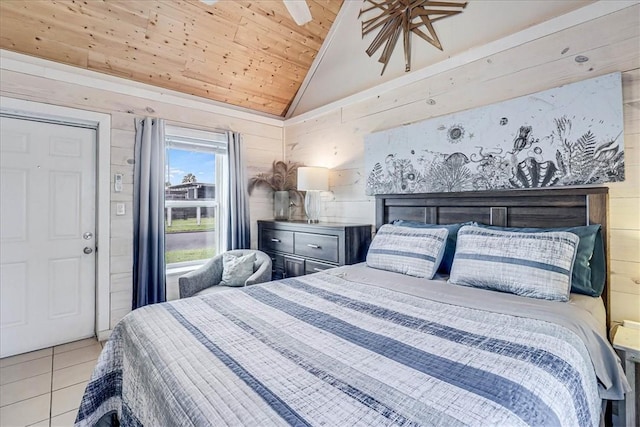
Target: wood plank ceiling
point(245, 53)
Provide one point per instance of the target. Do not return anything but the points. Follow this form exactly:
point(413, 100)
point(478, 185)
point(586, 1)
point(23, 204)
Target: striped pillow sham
point(407, 250)
point(450, 245)
point(589, 269)
point(536, 265)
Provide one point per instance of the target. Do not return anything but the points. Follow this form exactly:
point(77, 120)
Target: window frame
point(215, 142)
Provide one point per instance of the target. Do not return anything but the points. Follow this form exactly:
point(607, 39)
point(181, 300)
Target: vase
point(281, 205)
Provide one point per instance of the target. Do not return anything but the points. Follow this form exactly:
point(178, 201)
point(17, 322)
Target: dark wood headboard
point(561, 207)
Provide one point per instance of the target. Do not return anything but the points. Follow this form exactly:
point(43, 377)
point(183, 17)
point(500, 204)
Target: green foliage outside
point(189, 255)
point(184, 225)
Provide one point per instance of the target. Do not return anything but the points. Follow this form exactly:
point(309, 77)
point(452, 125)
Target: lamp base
point(312, 206)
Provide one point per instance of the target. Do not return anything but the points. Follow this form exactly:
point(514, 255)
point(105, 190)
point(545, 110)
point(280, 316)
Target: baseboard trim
point(104, 335)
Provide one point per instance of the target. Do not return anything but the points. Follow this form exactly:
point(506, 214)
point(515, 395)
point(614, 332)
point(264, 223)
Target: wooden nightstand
point(627, 340)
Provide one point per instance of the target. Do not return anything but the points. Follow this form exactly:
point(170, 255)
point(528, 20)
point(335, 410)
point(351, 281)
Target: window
point(194, 186)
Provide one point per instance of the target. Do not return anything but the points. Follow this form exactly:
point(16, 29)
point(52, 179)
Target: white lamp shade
point(313, 179)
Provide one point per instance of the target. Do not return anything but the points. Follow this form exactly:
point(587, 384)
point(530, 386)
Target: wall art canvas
point(571, 135)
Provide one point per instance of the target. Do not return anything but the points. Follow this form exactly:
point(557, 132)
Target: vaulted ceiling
point(245, 53)
point(249, 54)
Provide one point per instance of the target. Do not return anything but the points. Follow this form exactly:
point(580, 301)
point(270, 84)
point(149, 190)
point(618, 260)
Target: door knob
point(87, 250)
point(87, 236)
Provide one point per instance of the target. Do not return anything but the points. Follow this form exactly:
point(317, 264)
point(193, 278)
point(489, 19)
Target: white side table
point(627, 340)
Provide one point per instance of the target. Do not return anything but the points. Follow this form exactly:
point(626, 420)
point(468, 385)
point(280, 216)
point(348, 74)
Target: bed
point(362, 346)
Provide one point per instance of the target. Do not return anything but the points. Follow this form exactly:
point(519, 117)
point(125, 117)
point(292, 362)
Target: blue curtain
point(148, 213)
point(238, 223)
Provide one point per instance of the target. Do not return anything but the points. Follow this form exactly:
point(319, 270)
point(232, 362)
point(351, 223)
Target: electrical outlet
point(120, 209)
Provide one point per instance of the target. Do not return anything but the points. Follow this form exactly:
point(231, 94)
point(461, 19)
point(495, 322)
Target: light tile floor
point(44, 387)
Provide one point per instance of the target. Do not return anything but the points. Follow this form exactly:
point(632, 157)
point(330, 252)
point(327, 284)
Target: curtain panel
point(238, 223)
point(148, 213)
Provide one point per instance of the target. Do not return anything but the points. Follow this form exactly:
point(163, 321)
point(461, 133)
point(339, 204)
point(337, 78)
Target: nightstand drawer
point(314, 267)
point(317, 246)
point(293, 266)
point(277, 240)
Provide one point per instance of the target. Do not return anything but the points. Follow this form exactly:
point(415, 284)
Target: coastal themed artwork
point(571, 135)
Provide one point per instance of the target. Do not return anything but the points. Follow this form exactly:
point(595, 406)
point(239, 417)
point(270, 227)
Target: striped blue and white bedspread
point(323, 350)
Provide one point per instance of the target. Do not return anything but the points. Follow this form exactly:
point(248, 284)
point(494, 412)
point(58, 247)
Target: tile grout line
point(50, 355)
point(51, 390)
point(51, 374)
point(26, 361)
point(22, 379)
point(26, 398)
point(77, 348)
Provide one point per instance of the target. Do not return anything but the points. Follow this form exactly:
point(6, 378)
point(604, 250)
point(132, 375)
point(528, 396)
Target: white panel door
point(47, 234)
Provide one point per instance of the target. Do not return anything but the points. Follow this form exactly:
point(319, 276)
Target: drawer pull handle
point(313, 246)
point(274, 240)
point(318, 269)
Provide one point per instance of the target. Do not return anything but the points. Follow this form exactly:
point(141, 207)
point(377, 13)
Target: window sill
point(180, 268)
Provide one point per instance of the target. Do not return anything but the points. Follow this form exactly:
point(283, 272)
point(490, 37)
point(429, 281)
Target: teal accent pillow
point(450, 247)
point(589, 270)
point(236, 269)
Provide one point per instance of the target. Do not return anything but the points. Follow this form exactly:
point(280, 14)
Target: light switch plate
point(117, 183)
point(120, 209)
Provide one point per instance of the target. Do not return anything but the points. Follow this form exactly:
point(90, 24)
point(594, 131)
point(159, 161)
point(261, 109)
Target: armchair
point(207, 278)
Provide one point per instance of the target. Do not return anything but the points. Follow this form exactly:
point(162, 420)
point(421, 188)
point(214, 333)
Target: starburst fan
point(406, 16)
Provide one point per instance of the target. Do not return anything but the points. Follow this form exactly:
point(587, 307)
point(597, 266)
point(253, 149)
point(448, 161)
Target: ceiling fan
point(298, 9)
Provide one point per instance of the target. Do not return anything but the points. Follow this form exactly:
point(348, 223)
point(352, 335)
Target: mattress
point(593, 305)
point(354, 346)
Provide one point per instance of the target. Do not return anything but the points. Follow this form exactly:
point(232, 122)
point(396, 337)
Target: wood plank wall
point(263, 144)
point(611, 42)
